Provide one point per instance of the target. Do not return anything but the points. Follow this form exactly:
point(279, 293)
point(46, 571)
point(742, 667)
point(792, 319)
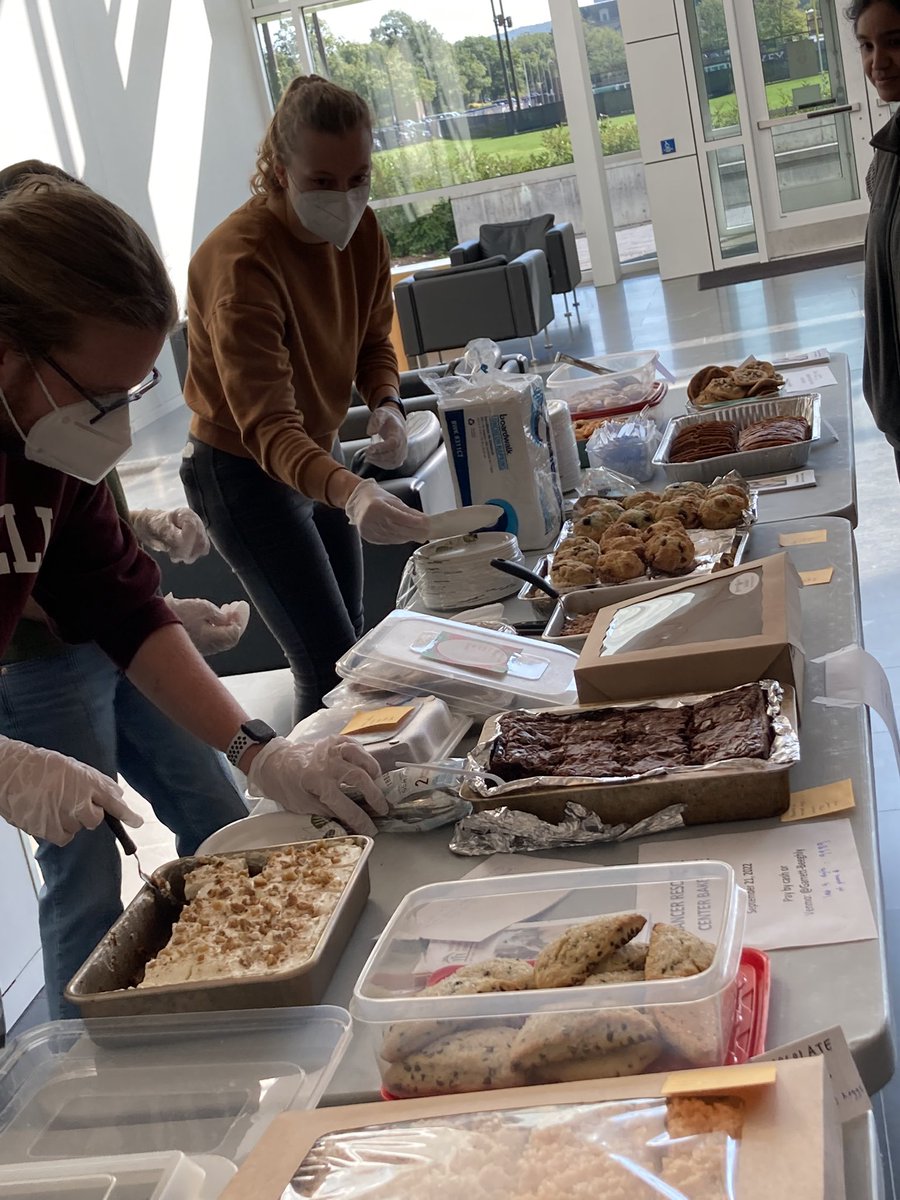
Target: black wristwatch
point(392, 400)
point(253, 733)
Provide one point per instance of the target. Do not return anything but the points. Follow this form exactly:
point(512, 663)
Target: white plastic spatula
point(459, 521)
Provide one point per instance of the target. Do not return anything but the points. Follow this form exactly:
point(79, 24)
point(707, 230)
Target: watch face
point(259, 731)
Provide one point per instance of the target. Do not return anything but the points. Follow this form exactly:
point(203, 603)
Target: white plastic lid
point(615, 364)
point(430, 732)
point(168, 1176)
point(478, 671)
point(201, 1083)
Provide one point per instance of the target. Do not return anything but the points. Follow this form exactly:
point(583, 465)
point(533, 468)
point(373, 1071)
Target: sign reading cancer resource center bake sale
point(804, 885)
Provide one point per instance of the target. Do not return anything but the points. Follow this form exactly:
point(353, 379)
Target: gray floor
point(818, 308)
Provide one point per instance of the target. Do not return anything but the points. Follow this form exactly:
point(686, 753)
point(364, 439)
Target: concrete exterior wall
point(521, 197)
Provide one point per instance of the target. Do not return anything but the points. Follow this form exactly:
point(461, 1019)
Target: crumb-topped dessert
point(237, 924)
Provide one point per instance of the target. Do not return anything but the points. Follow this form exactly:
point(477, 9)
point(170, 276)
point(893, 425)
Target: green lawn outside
point(519, 147)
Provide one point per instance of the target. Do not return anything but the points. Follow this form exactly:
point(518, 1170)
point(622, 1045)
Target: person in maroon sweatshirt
point(85, 307)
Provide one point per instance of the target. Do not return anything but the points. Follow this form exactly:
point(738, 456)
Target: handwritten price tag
point(820, 801)
point(823, 575)
point(810, 537)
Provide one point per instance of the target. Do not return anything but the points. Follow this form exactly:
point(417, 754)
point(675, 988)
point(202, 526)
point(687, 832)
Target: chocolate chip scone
point(579, 951)
point(473, 1061)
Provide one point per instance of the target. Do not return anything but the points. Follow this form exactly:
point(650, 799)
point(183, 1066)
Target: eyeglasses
point(114, 400)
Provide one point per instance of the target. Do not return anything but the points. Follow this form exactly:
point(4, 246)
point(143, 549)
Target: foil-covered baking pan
point(104, 986)
point(749, 463)
point(732, 790)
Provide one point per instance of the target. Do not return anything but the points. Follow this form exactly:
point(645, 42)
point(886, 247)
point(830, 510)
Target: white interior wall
point(159, 104)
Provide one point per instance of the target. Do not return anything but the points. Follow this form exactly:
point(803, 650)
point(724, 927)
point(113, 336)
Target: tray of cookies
point(642, 542)
point(713, 387)
point(758, 438)
point(589, 977)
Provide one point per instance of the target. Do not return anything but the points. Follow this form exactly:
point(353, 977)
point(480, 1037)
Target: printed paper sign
point(849, 1090)
point(808, 379)
point(804, 885)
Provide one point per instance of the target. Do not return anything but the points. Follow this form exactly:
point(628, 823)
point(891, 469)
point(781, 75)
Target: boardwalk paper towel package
point(497, 434)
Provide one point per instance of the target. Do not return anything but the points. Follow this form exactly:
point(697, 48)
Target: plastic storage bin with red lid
point(427, 1044)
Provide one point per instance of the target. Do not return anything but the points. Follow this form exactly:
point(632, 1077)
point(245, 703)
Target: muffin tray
point(749, 463)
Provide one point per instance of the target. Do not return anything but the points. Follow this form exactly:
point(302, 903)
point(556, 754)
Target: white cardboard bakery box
point(791, 1144)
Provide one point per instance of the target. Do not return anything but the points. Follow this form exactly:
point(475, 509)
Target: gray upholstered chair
point(492, 298)
point(511, 238)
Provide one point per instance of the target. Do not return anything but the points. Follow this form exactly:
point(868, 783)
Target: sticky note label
point(378, 720)
point(823, 575)
point(820, 801)
point(809, 537)
point(708, 1080)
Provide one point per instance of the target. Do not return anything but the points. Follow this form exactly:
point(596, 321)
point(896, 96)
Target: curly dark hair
point(855, 10)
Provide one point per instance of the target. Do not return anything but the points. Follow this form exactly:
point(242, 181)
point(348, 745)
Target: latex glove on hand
point(210, 628)
point(178, 533)
point(51, 796)
point(387, 428)
point(307, 777)
point(382, 518)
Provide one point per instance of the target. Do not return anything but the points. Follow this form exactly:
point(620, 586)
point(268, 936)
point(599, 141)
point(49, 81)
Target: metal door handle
point(812, 115)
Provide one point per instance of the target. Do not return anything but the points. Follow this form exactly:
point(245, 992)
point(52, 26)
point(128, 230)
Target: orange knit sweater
point(279, 329)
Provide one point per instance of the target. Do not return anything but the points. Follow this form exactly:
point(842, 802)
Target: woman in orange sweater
point(289, 304)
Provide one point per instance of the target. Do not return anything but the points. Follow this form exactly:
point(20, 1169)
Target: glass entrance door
point(809, 114)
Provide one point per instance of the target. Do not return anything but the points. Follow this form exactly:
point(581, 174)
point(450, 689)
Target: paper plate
point(459, 521)
point(269, 829)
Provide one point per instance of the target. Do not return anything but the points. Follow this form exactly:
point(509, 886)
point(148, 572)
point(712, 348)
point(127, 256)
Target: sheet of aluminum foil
point(506, 831)
point(784, 752)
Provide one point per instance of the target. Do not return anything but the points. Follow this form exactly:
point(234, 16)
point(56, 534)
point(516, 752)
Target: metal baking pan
point(613, 593)
point(104, 986)
point(709, 794)
point(749, 463)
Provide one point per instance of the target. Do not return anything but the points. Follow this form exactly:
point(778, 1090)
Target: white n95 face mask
point(65, 439)
point(333, 216)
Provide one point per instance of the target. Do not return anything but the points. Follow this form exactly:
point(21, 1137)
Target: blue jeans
point(79, 703)
point(300, 562)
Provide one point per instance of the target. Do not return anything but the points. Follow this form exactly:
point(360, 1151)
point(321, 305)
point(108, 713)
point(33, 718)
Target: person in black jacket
point(877, 27)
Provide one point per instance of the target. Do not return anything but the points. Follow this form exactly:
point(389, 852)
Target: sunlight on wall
point(178, 139)
point(39, 117)
point(124, 39)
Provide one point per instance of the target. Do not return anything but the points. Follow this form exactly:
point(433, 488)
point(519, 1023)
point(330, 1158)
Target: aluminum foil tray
point(104, 985)
point(749, 463)
point(734, 790)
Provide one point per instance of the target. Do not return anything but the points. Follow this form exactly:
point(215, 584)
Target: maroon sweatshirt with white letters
point(62, 543)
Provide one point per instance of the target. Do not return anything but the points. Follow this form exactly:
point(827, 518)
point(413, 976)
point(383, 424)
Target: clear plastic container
point(171, 1176)
point(204, 1084)
point(586, 393)
point(430, 732)
point(693, 1017)
point(476, 671)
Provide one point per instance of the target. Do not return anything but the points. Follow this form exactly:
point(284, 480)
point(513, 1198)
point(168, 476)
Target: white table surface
point(833, 461)
point(813, 987)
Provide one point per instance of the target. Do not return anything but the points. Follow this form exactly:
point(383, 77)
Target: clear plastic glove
point(210, 628)
point(178, 533)
point(382, 518)
point(53, 797)
point(307, 777)
point(387, 428)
